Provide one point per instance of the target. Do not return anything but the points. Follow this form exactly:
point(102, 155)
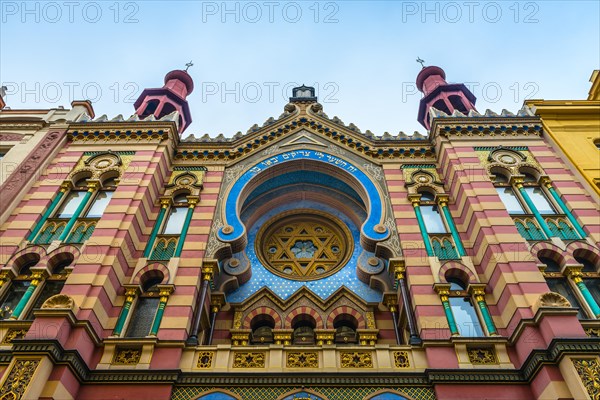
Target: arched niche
point(233, 231)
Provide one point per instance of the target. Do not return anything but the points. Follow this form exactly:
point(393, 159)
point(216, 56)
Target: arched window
point(461, 303)
point(442, 106)
point(171, 229)
point(167, 109)
point(345, 329)
point(431, 213)
point(507, 194)
point(304, 329)
point(151, 107)
point(18, 285)
point(262, 329)
point(103, 197)
point(438, 230)
point(558, 283)
point(177, 214)
point(146, 306)
point(55, 282)
point(86, 215)
point(591, 274)
point(457, 103)
point(536, 216)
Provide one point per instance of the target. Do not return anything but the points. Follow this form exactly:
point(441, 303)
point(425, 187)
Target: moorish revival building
point(303, 259)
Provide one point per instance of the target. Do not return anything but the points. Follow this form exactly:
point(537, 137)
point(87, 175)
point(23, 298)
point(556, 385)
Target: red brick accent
point(346, 310)
point(260, 311)
point(304, 310)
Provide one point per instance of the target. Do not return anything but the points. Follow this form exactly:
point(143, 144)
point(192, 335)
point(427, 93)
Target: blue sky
point(359, 54)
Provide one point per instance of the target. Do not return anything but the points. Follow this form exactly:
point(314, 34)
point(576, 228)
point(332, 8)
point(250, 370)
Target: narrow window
point(510, 200)
point(97, 208)
point(433, 219)
point(68, 207)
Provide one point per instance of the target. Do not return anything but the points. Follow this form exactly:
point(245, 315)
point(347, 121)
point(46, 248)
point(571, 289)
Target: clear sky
point(360, 55)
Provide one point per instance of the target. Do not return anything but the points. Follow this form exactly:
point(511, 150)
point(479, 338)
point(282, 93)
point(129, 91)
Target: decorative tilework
point(284, 288)
point(331, 392)
point(375, 204)
point(205, 359)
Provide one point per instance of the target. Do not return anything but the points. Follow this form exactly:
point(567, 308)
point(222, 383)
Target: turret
point(171, 97)
point(441, 95)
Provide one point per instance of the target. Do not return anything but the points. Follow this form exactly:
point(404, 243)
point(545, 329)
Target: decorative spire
point(422, 62)
point(168, 99)
point(441, 95)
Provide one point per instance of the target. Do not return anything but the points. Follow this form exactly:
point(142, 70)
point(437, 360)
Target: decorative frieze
point(401, 359)
point(205, 359)
point(18, 379)
point(127, 356)
point(12, 334)
point(247, 359)
point(303, 359)
point(482, 355)
point(589, 372)
point(356, 359)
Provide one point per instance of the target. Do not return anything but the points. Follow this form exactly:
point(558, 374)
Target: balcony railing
point(51, 231)
point(54, 228)
point(443, 246)
point(164, 247)
point(82, 230)
point(529, 228)
point(559, 225)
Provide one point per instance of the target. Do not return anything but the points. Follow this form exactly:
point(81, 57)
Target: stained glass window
point(15, 292)
point(142, 317)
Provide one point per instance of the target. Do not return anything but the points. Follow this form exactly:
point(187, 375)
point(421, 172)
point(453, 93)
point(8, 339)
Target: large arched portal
point(302, 218)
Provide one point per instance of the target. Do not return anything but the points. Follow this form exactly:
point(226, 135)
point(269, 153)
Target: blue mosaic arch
point(217, 396)
point(388, 396)
point(372, 229)
point(302, 394)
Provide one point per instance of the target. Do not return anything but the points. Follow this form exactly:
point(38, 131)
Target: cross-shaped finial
point(188, 65)
point(422, 62)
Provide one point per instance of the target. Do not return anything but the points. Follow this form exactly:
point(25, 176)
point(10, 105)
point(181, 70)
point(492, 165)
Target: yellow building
point(573, 129)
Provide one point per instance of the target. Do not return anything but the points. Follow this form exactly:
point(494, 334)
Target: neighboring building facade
point(304, 259)
point(573, 126)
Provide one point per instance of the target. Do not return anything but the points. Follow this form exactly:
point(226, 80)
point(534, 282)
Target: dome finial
point(422, 62)
point(188, 65)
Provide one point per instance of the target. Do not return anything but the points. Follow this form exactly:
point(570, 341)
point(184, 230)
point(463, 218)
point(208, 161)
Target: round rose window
point(304, 244)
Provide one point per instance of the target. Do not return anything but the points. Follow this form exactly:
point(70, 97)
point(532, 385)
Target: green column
point(415, 203)
point(130, 293)
point(575, 275)
point(157, 224)
point(48, 212)
point(450, 221)
point(478, 294)
point(186, 225)
point(565, 210)
point(37, 277)
point(164, 296)
point(535, 211)
point(448, 310)
point(91, 189)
